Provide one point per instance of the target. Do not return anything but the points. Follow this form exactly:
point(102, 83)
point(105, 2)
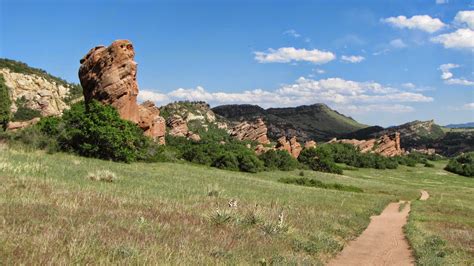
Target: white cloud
point(409, 85)
point(398, 43)
point(292, 33)
point(147, 95)
point(468, 106)
point(465, 17)
point(420, 22)
point(446, 70)
point(334, 91)
point(386, 108)
point(289, 54)
point(462, 82)
point(353, 58)
point(319, 71)
point(448, 76)
point(461, 39)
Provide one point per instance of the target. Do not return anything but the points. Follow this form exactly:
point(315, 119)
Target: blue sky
point(381, 62)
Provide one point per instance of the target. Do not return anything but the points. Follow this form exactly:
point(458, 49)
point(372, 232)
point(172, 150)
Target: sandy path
point(382, 243)
point(424, 195)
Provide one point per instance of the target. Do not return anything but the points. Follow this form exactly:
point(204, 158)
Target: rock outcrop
point(12, 126)
point(292, 146)
point(310, 144)
point(386, 145)
point(108, 74)
point(256, 131)
point(179, 128)
point(41, 94)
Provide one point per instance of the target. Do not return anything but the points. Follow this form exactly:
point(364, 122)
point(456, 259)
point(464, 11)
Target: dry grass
point(102, 175)
point(167, 213)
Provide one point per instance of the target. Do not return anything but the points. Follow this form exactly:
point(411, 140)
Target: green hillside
point(178, 213)
point(317, 121)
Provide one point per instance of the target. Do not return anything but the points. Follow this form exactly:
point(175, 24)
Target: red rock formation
point(293, 147)
point(108, 74)
point(386, 145)
point(310, 144)
point(251, 131)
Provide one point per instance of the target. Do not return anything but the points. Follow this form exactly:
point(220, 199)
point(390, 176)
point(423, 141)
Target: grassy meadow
point(51, 211)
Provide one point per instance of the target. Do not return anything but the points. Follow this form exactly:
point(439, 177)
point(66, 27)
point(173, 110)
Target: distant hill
point(317, 122)
point(423, 135)
point(465, 125)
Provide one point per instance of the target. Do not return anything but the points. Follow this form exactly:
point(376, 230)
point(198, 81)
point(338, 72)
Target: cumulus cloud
point(334, 91)
point(353, 58)
point(319, 71)
point(420, 22)
point(460, 39)
point(465, 18)
point(448, 76)
point(409, 85)
point(398, 43)
point(290, 54)
point(147, 95)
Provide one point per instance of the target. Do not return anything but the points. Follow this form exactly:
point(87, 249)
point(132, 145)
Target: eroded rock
point(256, 131)
point(108, 74)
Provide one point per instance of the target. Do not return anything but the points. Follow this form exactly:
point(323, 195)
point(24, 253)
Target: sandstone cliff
point(292, 146)
point(40, 93)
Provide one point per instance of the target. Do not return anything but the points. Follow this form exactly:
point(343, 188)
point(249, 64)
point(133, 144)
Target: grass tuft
point(102, 175)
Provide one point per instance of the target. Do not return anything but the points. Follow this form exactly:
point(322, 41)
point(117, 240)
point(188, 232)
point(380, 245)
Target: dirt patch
point(424, 195)
point(382, 243)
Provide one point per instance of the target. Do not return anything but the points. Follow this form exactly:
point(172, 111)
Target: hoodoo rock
point(108, 74)
point(178, 126)
point(386, 145)
point(293, 147)
point(251, 131)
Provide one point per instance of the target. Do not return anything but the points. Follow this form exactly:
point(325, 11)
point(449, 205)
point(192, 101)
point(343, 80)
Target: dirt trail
point(382, 243)
point(424, 195)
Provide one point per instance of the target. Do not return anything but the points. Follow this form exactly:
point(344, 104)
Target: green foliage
point(310, 182)
point(97, 132)
point(319, 160)
point(462, 165)
point(24, 113)
point(278, 160)
point(5, 104)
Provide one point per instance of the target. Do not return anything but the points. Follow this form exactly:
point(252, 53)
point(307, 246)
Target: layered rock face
point(386, 145)
point(179, 128)
point(292, 146)
point(12, 126)
point(40, 94)
point(251, 131)
point(108, 74)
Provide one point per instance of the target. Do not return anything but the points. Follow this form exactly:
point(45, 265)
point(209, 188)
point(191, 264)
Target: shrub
point(309, 182)
point(5, 104)
point(319, 159)
point(24, 113)
point(278, 160)
point(462, 164)
point(97, 132)
point(227, 161)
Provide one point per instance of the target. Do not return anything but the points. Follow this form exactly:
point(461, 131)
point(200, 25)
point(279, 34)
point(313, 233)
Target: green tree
point(5, 104)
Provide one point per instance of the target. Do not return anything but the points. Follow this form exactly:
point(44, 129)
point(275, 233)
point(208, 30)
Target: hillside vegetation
point(317, 122)
point(56, 210)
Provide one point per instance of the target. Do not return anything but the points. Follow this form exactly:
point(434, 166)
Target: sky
point(380, 62)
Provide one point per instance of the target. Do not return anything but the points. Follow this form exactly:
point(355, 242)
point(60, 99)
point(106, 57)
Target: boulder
point(256, 131)
point(108, 75)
